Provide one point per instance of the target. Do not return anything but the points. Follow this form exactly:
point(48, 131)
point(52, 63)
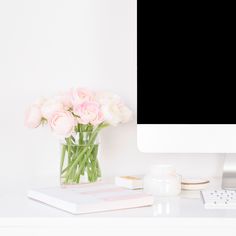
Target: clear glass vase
point(79, 159)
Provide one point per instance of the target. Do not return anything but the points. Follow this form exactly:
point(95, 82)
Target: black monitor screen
point(186, 67)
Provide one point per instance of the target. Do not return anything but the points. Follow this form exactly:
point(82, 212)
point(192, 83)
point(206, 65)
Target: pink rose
point(81, 95)
point(33, 117)
point(98, 120)
point(66, 99)
point(50, 107)
point(62, 123)
point(115, 112)
point(89, 112)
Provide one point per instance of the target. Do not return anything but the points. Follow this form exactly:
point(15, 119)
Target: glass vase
point(79, 159)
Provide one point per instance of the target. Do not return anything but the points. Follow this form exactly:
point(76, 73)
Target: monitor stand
point(229, 173)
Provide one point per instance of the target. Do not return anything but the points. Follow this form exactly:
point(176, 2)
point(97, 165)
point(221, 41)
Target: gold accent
point(130, 177)
point(205, 182)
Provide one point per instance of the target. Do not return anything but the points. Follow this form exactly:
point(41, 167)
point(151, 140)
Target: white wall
point(51, 45)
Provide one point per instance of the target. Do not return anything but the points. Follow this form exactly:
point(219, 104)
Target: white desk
point(14, 203)
point(182, 215)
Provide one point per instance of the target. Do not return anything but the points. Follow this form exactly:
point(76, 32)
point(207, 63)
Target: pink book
point(87, 198)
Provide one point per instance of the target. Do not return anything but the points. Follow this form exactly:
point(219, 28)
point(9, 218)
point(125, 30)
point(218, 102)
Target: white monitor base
point(229, 173)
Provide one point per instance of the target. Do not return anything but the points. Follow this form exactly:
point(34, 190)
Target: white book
point(87, 198)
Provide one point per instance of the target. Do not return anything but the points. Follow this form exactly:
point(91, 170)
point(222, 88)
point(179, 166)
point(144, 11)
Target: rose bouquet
point(76, 117)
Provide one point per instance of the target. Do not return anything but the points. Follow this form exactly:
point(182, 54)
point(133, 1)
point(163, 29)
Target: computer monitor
point(186, 97)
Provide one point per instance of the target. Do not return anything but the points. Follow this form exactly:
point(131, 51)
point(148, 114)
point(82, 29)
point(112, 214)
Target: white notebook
point(88, 198)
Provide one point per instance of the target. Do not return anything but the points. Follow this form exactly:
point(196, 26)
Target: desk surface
point(14, 203)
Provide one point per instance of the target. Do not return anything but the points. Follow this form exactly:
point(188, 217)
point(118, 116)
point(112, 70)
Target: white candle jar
point(162, 180)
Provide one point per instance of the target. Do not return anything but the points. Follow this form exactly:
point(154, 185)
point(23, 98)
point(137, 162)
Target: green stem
point(83, 166)
point(93, 137)
point(62, 157)
point(84, 157)
point(69, 149)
